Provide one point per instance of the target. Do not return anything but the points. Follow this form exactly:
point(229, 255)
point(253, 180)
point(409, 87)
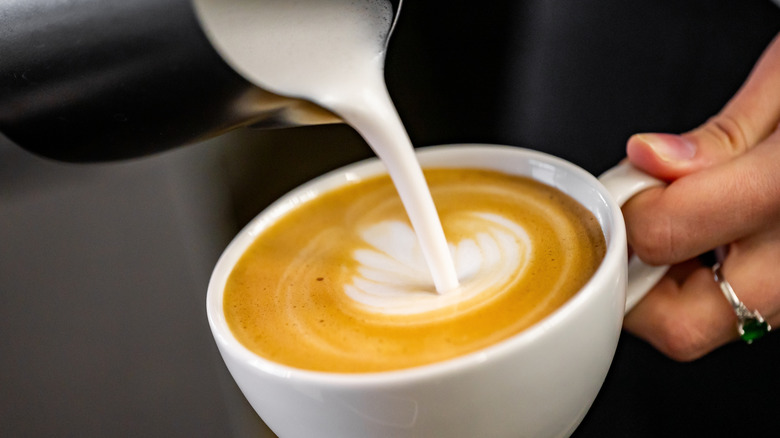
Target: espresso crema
point(340, 283)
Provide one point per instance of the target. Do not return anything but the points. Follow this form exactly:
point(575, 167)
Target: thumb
point(750, 117)
point(668, 156)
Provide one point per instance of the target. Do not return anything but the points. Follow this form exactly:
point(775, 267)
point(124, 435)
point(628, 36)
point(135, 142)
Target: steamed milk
point(348, 281)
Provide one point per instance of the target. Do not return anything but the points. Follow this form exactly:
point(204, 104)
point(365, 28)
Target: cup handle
point(623, 182)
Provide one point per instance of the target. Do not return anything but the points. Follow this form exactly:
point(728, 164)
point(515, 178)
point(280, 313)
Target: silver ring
point(750, 323)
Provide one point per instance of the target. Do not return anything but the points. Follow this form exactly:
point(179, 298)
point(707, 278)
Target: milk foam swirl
point(392, 277)
point(386, 273)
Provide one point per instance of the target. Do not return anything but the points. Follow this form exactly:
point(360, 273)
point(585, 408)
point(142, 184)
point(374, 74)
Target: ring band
point(750, 323)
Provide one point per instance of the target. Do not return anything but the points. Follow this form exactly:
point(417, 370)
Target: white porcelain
point(539, 383)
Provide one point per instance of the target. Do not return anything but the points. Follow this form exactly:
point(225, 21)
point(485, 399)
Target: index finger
point(754, 110)
point(707, 209)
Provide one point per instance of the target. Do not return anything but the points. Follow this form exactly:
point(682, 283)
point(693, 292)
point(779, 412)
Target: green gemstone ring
point(750, 323)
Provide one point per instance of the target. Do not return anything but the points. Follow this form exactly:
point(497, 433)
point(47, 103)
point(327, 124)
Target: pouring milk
point(332, 53)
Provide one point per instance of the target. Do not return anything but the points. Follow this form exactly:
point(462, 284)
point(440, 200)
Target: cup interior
point(553, 171)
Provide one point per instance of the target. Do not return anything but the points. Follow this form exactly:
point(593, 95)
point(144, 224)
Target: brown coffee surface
point(285, 299)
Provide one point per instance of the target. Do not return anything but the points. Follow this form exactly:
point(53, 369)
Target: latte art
point(392, 278)
point(339, 283)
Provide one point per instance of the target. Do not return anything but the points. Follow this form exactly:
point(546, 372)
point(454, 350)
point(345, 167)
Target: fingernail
point(669, 147)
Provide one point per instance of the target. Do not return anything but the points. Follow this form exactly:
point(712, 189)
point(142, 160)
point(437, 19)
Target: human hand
point(724, 192)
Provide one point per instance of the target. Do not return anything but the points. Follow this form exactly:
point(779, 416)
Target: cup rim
point(612, 224)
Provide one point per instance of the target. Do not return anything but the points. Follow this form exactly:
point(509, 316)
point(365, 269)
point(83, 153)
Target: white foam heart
point(393, 278)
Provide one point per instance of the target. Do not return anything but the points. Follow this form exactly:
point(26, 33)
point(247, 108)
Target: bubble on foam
point(381, 15)
point(392, 277)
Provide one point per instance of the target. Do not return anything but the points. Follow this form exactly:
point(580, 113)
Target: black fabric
point(576, 79)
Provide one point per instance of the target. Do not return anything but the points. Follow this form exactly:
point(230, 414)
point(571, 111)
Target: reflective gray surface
point(103, 274)
point(103, 270)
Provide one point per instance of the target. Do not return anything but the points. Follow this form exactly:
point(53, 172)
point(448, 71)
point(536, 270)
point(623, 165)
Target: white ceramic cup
point(538, 383)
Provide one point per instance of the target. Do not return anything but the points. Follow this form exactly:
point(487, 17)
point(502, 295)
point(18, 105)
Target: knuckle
point(729, 132)
point(652, 239)
point(683, 341)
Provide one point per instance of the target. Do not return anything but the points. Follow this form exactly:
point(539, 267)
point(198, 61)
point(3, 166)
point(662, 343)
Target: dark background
point(103, 268)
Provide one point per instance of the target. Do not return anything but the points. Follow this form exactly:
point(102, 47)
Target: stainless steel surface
point(103, 274)
point(102, 279)
point(98, 80)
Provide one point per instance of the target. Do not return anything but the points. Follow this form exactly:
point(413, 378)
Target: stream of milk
point(332, 53)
